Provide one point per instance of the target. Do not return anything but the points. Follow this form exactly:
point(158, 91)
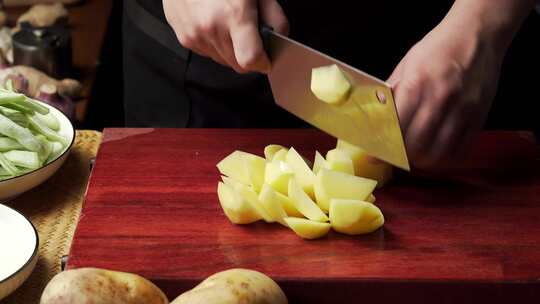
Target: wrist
point(493, 22)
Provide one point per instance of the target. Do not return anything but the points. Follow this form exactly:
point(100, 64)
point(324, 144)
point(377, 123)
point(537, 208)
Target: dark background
point(516, 105)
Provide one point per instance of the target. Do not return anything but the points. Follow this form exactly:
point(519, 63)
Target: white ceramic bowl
point(19, 242)
point(12, 187)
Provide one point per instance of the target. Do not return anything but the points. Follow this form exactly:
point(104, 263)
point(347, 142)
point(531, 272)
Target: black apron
point(169, 86)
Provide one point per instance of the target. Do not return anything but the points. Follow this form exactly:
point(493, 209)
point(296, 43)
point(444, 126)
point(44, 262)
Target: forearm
point(496, 20)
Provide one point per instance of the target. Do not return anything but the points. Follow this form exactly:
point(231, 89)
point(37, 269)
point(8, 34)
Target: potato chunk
point(355, 217)
point(304, 204)
point(329, 84)
point(381, 172)
point(339, 160)
point(331, 184)
point(308, 229)
point(237, 209)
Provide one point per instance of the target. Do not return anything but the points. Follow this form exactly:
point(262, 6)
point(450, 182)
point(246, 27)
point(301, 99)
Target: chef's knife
point(368, 119)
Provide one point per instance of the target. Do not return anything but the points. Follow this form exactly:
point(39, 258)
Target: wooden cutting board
point(472, 236)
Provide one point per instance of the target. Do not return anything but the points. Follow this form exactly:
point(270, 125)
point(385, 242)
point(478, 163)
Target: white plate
point(18, 249)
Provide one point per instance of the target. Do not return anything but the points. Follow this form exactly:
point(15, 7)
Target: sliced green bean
point(8, 166)
point(41, 128)
point(20, 134)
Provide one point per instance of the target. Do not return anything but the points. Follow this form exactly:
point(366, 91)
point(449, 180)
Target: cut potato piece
point(249, 194)
point(331, 184)
point(340, 161)
point(381, 172)
point(272, 204)
point(304, 204)
point(319, 162)
point(277, 174)
point(371, 198)
point(302, 172)
point(255, 167)
point(270, 151)
point(329, 84)
point(235, 207)
point(355, 217)
point(308, 229)
point(239, 165)
point(280, 155)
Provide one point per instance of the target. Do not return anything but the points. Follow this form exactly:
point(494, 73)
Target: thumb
point(272, 14)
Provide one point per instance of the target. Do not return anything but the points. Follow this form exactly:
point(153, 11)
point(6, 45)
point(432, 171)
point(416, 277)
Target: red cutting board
point(472, 236)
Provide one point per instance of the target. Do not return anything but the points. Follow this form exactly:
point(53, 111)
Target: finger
point(272, 15)
point(225, 49)
point(407, 98)
point(427, 122)
point(393, 80)
point(206, 49)
point(248, 48)
point(448, 140)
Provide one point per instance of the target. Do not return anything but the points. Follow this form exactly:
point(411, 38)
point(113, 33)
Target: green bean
point(20, 134)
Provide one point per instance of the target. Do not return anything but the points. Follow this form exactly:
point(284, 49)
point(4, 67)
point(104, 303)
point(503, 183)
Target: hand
point(444, 88)
point(226, 30)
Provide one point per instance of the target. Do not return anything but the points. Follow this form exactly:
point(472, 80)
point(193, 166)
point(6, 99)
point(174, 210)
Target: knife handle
point(265, 32)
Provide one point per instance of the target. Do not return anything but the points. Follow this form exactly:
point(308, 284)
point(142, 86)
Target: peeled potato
point(277, 174)
point(329, 84)
point(355, 217)
point(381, 172)
point(339, 160)
point(244, 167)
point(234, 286)
point(302, 172)
point(304, 204)
point(307, 229)
point(272, 204)
point(100, 286)
point(320, 162)
point(331, 184)
point(250, 196)
point(280, 155)
point(270, 151)
point(237, 209)
point(371, 198)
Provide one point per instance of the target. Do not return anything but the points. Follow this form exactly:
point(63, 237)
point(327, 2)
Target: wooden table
point(89, 22)
point(472, 237)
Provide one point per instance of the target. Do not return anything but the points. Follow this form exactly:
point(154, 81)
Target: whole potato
point(100, 286)
point(234, 286)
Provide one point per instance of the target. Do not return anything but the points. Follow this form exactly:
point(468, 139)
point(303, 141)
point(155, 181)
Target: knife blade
point(367, 119)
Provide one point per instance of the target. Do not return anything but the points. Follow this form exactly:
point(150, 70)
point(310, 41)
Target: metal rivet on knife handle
point(380, 96)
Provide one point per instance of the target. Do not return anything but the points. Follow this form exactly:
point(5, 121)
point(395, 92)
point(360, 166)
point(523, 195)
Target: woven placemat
point(54, 209)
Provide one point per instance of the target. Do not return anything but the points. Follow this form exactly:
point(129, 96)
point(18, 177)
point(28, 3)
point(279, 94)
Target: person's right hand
point(226, 30)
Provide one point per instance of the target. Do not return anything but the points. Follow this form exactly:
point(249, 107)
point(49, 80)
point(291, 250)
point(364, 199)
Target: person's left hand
point(443, 89)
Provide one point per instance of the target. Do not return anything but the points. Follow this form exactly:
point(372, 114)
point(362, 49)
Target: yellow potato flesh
point(302, 173)
point(277, 174)
point(270, 151)
point(355, 217)
point(234, 166)
point(304, 204)
point(250, 196)
point(381, 172)
point(244, 167)
point(340, 161)
point(280, 155)
point(371, 198)
point(307, 229)
point(272, 204)
point(319, 163)
point(331, 184)
point(329, 84)
point(235, 207)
